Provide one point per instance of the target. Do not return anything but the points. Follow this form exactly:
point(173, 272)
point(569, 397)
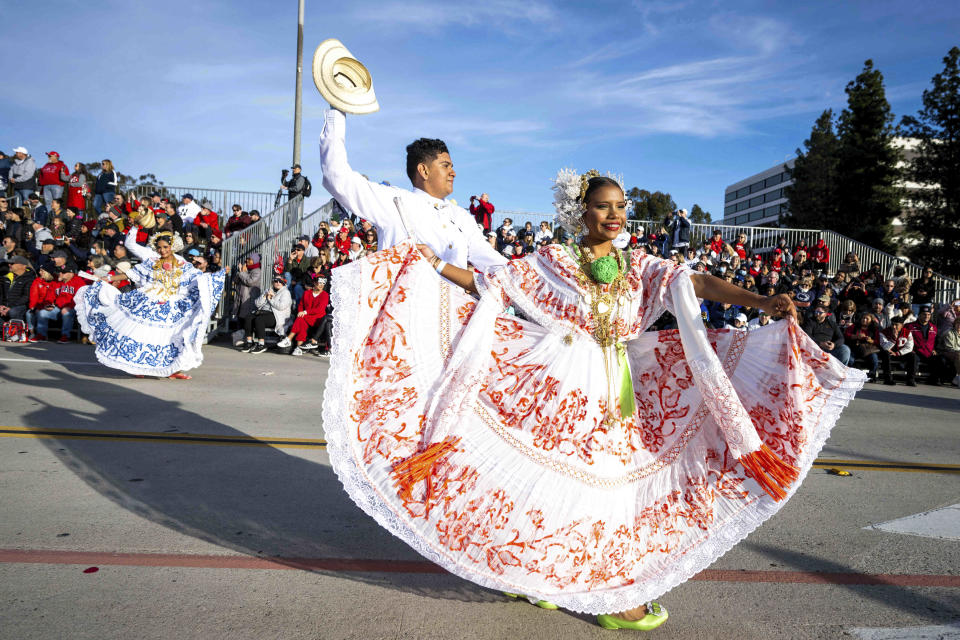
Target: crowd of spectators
point(56, 224)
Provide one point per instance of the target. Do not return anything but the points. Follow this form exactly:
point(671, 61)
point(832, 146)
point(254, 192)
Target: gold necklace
point(606, 303)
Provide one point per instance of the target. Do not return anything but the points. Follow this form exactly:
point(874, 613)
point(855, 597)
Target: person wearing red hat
point(53, 178)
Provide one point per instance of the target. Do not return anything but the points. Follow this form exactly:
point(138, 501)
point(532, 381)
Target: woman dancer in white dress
point(575, 458)
point(158, 328)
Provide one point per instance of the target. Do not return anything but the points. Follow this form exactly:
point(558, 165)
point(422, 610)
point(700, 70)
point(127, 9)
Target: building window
point(776, 194)
point(730, 209)
point(772, 180)
point(756, 215)
point(740, 219)
point(756, 201)
point(730, 195)
point(756, 186)
point(745, 191)
point(742, 205)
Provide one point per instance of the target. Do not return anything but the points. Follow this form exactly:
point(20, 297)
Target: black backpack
point(307, 187)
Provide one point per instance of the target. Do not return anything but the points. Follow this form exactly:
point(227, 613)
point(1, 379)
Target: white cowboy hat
point(342, 79)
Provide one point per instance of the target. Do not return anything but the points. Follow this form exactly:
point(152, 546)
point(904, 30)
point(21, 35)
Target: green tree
point(934, 220)
point(650, 206)
point(124, 182)
point(812, 198)
point(868, 195)
point(699, 216)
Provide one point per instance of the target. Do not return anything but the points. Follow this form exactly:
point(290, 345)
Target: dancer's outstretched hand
point(780, 305)
point(426, 251)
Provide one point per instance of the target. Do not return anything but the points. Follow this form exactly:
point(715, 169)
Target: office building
point(758, 201)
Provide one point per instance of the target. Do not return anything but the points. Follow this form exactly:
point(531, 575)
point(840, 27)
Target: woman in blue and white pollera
point(158, 328)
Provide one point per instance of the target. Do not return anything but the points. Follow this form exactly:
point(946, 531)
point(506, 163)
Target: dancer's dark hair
point(423, 150)
point(596, 183)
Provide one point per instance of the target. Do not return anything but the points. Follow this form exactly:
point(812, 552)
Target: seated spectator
point(342, 239)
point(70, 283)
point(295, 269)
point(356, 248)
point(188, 210)
point(248, 290)
point(312, 307)
point(206, 224)
point(740, 246)
point(950, 347)
point(40, 233)
point(198, 260)
point(850, 265)
point(15, 289)
point(722, 314)
point(924, 334)
point(502, 231)
point(238, 221)
point(905, 311)
point(74, 223)
point(846, 315)
point(544, 233)
point(946, 315)
point(888, 292)
point(823, 330)
point(272, 309)
point(820, 255)
point(717, 244)
point(739, 322)
point(254, 217)
point(863, 338)
point(761, 320)
point(492, 239)
point(190, 242)
point(43, 302)
point(857, 292)
point(309, 250)
point(805, 295)
point(370, 241)
point(176, 222)
point(896, 344)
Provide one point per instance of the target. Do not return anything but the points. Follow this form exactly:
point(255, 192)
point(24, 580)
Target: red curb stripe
point(41, 556)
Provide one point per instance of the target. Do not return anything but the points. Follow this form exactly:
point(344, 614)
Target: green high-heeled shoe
point(656, 616)
point(543, 604)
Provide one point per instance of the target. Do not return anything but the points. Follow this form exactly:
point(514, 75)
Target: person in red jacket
point(312, 307)
point(924, 333)
point(53, 178)
point(207, 222)
point(342, 242)
point(70, 283)
point(43, 302)
point(482, 210)
point(820, 254)
point(239, 221)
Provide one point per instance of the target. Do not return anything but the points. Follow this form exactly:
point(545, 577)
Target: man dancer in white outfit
point(450, 231)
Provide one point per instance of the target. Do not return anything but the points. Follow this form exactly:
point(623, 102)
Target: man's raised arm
point(370, 201)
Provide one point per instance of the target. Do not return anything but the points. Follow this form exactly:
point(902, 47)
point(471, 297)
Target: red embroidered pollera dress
point(479, 438)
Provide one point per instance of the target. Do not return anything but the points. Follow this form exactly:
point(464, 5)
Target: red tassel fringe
point(421, 466)
point(769, 471)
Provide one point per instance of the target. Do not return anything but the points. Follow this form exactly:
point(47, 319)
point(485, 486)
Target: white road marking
point(938, 632)
point(943, 524)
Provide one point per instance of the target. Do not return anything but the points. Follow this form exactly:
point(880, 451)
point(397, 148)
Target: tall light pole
point(299, 96)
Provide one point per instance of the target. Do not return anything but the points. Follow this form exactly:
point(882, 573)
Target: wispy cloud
point(428, 14)
point(762, 34)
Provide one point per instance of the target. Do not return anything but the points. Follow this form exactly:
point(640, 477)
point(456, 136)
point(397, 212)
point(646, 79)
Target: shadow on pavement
point(258, 501)
point(891, 596)
point(914, 399)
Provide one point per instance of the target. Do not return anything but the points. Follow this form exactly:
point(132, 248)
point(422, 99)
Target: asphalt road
point(176, 521)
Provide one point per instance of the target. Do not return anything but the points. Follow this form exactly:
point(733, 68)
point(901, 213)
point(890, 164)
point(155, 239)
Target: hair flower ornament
point(569, 188)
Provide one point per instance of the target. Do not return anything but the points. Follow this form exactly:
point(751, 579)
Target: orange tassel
point(769, 471)
point(420, 466)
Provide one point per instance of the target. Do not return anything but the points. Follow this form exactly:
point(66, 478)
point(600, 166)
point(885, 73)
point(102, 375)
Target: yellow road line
point(319, 443)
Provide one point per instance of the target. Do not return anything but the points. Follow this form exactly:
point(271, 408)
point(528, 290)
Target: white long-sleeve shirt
point(450, 231)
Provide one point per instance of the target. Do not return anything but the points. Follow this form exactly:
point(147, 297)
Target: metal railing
point(222, 199)
point(255, 238)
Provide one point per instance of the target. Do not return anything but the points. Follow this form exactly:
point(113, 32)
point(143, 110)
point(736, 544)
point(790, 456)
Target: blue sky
point(684, 97)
